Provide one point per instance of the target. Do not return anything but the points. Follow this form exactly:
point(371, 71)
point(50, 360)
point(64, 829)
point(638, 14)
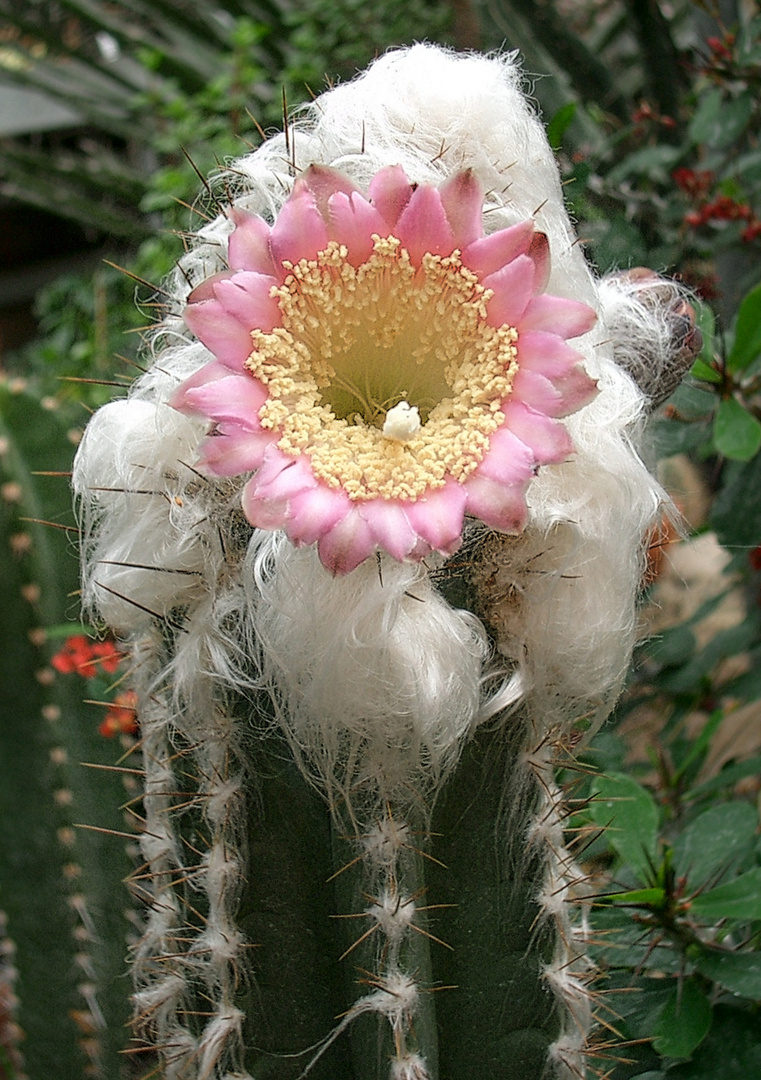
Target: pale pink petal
point(538, 392)
point(263, 513)
point(228, 454)
point(567, 318)
point(247, 297)
point(576, 389)
point(238, 399)
point(249, 243)
point(546, 353)
point(559, 397)
point(325, 182)
point(389, 192)
point(486, 255)
point(314, 512)
point(347, 544)
point(205, 291)
point(437, 516)
point(508, 460)
point(220, 332)
point(547, 438)
point(423, 225)
point(513, 287)
point(352, 222)
point(282, 476)
point(463, 200)
point(389, 526)
point(539, 251)
point(206, 374)
point(499, 507)
point(300, 231)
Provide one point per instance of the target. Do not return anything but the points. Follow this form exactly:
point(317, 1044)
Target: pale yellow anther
point(388, 377)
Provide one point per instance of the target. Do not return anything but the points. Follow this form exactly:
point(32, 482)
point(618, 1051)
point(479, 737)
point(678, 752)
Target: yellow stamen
point(355, 342)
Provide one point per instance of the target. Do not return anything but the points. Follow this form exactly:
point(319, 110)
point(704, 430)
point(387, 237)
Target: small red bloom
point(82, 656)
point(755, 558)
point(121, 717)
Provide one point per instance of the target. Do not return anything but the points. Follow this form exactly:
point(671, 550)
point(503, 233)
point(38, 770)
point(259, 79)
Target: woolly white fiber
point(376, 680)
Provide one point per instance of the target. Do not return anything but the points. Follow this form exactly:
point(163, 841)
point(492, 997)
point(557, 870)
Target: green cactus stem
point(60, 886)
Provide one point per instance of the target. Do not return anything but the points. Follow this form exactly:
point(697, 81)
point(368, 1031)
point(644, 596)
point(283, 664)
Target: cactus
point(353, 699)
point(64, 929)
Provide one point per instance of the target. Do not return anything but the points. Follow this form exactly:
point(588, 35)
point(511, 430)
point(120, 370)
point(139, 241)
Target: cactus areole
point(373, 530)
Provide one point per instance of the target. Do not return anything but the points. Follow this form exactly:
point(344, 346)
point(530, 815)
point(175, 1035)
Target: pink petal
point(538, 392)
point(463, 200)
point(513, 287)
point(486, 255)
point(500, 507)
point(389, 192)
point(508, 460)
point(249, 243)
point(389, 526)
point(438, 516)
point(282, 476)
point(566, 318)
point(247, 297)
point(205, 291)
point(314, 512)
point(220, 332)
point(230, 454)
point(577, 389)
point(353, 221)
point(263, 513)
point(423, 225)
point(325, 182)
point(206, 374)
point(347, 544)
point(539, 251)
point(237, 398)
point(546, 353)
point(546, 438)
point(300, 231)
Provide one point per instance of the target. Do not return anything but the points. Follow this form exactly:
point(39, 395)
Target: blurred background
point(111, 113)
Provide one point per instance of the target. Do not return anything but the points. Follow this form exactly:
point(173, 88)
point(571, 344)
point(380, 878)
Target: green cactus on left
point(65, 927)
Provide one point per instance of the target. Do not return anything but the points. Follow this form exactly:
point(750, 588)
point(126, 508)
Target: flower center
point(357, 343)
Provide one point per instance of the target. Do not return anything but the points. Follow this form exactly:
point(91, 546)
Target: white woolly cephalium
point(377, 680)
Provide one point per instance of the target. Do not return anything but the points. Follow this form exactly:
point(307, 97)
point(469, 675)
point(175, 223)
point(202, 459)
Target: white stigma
point(402, 422)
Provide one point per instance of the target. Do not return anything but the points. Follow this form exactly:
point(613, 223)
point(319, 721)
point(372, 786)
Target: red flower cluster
point(83, 656)
point(694, 182)
point(721, 48)
point(697, 183)
point(121, 717)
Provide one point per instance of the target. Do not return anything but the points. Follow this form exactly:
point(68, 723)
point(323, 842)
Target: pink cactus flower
point(382, 367)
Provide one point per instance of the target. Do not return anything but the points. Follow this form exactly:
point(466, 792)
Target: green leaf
point(718, 122)
point(650, 897)
point(736, 513)
point(632, 816)
point(732, 1050)
point(703, 371)
point(655, 162)
point(736, 434)
point(684, 1022)
point(714, 840)
point(728, 777)
point(739, 973)
point(738, 899)
point(747, 340)
point(559, 124)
